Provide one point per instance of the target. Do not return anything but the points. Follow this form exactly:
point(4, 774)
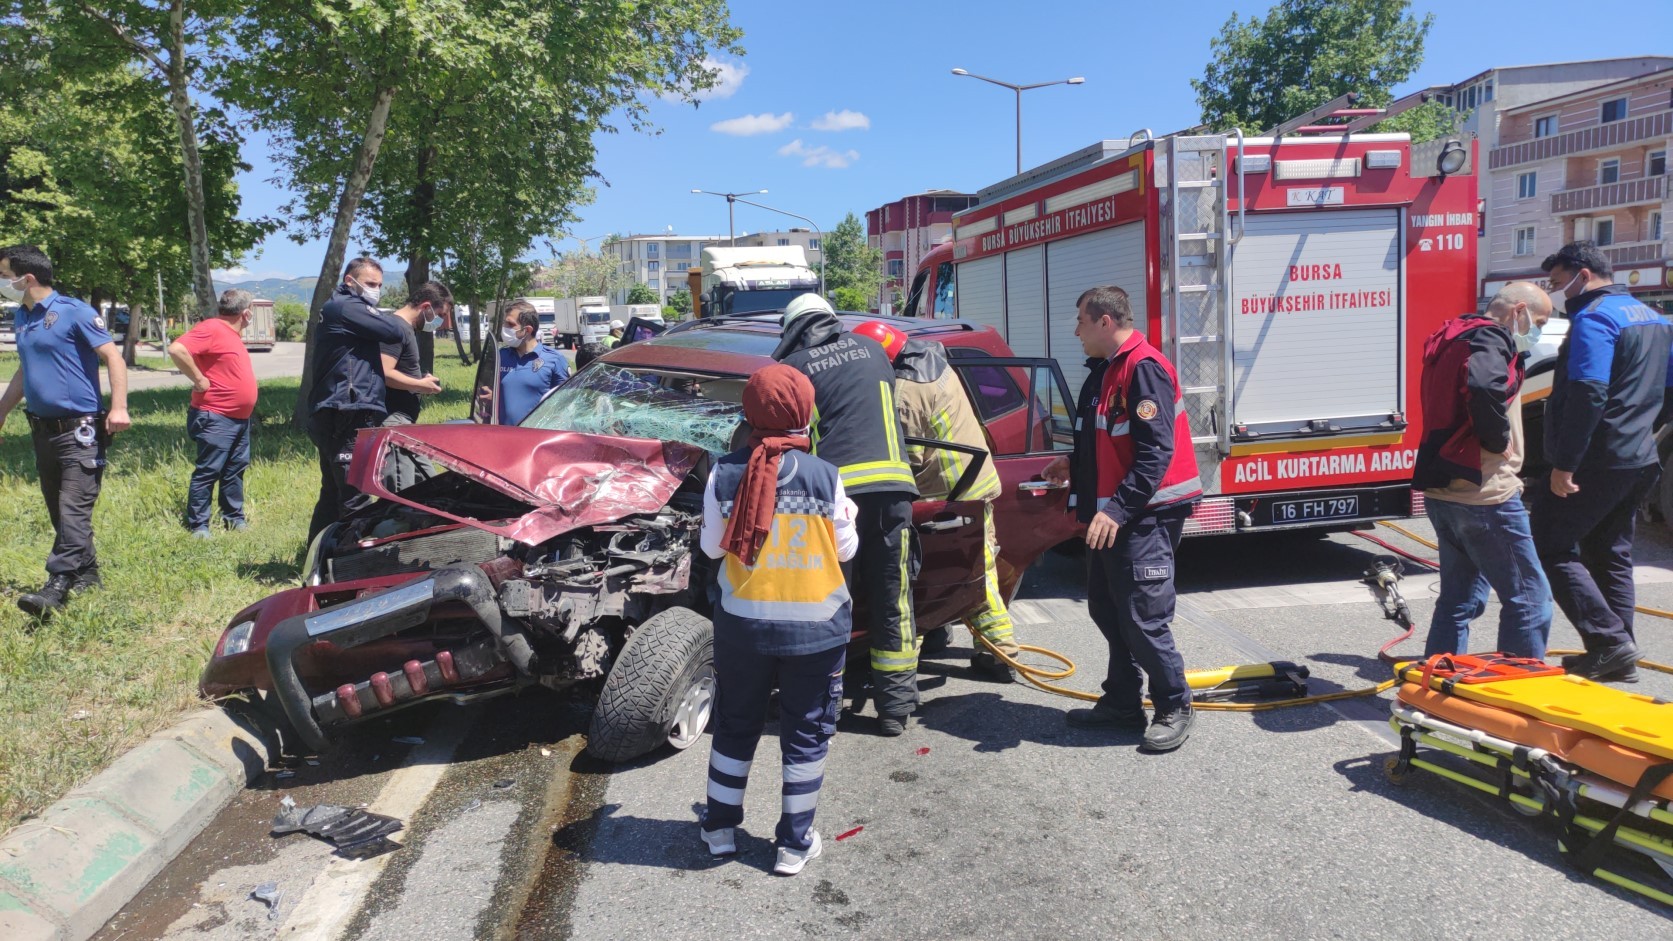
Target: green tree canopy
point(680, 301)
point(851, 263)
point(642, 293)
point(1305, 53)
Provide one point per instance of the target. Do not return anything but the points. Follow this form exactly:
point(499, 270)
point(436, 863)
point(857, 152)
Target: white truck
point(743, 280)
point(626, 312)
point(577, 320)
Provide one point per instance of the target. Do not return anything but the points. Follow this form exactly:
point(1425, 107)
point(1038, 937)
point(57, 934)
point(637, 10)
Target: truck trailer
point(744, 280)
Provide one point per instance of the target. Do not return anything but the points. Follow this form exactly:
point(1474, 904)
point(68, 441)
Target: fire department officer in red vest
point(1133, 480)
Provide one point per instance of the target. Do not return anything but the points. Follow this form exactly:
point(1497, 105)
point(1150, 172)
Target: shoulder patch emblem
point(1146, 410)
point(49, 320)
point(98, 321)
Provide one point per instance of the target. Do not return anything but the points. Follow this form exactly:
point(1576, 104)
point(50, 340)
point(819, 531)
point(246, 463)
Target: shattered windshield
point(605, 399)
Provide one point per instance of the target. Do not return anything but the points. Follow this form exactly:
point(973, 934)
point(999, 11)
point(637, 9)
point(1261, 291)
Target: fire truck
point(1292, 279)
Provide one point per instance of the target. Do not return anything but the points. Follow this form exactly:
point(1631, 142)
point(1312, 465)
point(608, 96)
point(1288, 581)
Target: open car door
point(947, 543)
point(1026, 409)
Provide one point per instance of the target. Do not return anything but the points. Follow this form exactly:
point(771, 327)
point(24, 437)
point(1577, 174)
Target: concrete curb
point(66, 872)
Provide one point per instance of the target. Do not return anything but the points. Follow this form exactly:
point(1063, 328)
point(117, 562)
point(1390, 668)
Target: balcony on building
point(1628, 254)
point(1620, 194)
point(1613, 135)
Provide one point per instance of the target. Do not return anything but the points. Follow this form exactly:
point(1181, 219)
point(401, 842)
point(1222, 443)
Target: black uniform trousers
point(883, 595)
point(333, 432)
point(1584, 542)
point(71, 472)
point(1130, 595)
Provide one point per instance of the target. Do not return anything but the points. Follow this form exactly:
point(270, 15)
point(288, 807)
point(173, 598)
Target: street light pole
point(1019, 89)
point(816, 231)
point(731, 238)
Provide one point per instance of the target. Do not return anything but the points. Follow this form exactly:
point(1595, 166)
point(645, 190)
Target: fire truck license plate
point(1326, 508)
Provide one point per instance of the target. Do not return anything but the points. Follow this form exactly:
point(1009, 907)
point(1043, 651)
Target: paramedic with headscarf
point(780, 525)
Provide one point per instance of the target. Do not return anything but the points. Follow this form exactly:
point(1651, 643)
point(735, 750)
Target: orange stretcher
point(1598, 759)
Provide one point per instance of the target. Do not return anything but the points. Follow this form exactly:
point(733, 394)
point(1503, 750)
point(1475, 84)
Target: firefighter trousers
point(991, 618)
point(1130, 595)
point(878, 573)
point(809, 701)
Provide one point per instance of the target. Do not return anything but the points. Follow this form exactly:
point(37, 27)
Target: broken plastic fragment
point(357, 834)
point(923, 751)
point(848, 833)
point(312, 762)
point(474, 804)
point(269, 894)
point(504, 783)
point(287, 773)
point(545, 753)
point(407, 740)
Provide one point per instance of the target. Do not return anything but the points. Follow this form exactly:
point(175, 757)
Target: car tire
point(660, 689)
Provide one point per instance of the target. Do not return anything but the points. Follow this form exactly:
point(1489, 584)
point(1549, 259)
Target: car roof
point(738, 345)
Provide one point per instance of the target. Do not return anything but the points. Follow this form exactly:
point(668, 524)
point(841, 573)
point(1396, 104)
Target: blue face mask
point(1529, 339)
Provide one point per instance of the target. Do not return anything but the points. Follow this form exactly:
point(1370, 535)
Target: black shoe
point(1617, 664)
point(1170, 730)
point(87, 579)
point(1109, 720)
point(51, 597)
point(991, 667)
point(891, 726)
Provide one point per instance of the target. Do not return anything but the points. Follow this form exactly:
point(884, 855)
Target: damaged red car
point(562, 552)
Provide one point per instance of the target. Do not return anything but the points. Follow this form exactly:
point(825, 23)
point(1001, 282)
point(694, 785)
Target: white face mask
point(511, 337)
point(1527, 339)
point(11, 290)
point(369, 295)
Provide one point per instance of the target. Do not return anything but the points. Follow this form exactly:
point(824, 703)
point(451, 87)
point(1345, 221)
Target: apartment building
point(660, 261)
point(905, 230)
point(1483, 99)
point(806, 238)
point(1591, 164)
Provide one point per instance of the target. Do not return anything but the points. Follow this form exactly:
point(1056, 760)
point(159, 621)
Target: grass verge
point(120, 663)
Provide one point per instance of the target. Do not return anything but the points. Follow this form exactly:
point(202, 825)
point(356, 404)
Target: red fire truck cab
point(1291, 280)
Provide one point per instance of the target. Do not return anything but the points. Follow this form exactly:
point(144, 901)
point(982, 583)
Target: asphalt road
point(989, 818)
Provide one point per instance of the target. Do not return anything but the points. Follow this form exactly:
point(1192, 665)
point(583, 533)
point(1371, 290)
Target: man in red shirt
point(213, 356)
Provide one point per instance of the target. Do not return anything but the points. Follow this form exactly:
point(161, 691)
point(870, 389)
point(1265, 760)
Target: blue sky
point(853, 104)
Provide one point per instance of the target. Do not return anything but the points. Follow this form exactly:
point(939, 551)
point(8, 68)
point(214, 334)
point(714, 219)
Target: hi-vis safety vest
point(1114, 420)
point(794, 599)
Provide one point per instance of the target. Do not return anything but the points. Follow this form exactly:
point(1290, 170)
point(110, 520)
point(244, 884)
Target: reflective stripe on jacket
point(933, 404)
point(1180, 483)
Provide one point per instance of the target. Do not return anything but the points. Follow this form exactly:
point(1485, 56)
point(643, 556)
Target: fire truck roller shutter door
point(1108, 256)
point(981, 297)
point(1318, 319)
point(1025, 292)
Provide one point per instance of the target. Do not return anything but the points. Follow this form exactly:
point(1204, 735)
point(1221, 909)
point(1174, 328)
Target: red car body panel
point(569, 479)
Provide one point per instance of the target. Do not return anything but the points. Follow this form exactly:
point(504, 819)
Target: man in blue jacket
point(1609, 384)
point(347, 394)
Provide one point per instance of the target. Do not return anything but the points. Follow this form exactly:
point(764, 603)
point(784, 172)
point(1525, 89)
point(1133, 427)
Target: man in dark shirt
point(405, 380)
point(1133, 479)
point(348, 388)
point(1609, 384)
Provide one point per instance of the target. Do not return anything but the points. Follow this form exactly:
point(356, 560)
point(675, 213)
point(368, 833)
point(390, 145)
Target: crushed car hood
point(568, 478)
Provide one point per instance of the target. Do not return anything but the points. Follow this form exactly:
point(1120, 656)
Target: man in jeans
point(1467, 465)
point(213, 356)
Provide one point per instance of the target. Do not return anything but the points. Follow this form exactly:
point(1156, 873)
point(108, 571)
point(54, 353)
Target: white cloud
point(729, 77)
point(751, 124)
point(820, 156)
point(843, 120)
point(230, 274)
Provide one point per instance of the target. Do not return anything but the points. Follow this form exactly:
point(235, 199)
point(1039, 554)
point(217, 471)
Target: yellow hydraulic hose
point(1414, 537)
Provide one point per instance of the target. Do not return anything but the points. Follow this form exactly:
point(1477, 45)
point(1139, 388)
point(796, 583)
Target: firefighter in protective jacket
point(933, 404)
point(855, 427)
point(1133, 481)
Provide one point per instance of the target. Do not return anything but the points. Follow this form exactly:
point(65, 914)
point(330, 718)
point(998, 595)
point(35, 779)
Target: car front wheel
point(660, 689)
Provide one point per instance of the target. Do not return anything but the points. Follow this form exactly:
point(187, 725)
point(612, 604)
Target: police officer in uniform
point(855, 427)
point(1609, 385)
point(1133, 480)
point(60, 341)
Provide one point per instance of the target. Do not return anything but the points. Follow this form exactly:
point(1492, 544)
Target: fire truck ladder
point(1198, 238)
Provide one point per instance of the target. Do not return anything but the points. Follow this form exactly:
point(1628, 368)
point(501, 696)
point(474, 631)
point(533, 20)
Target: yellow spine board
point(1629, 719)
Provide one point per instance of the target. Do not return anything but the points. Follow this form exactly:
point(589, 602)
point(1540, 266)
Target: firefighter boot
point(51, 597)
point(989, 666)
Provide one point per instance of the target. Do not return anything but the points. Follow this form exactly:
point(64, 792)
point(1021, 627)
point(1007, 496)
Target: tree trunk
point(377, 122)
point(203, 285)
point(418, 260)
point(130, 343)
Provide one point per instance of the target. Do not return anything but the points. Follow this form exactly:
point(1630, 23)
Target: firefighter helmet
point(893, 339)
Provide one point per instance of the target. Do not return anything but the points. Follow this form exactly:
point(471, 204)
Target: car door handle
point(1041, 486)
point(942, 525)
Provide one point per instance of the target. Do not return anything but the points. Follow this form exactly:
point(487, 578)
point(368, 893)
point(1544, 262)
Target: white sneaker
point(791, 861)
point(720, 842)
